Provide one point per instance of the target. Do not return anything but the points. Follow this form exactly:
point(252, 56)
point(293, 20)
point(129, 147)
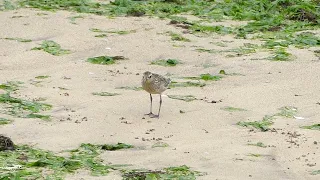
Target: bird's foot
point(149, 114)
point(154, 116)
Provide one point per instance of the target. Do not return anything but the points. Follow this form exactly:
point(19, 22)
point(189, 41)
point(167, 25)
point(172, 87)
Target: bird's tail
point(168, 82)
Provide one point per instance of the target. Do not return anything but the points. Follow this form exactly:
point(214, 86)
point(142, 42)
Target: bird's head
point(147, 76)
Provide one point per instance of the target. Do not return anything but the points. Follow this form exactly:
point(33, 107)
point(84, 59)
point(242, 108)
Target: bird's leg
point(151, 104)
point(150, 113)
point(157, 116)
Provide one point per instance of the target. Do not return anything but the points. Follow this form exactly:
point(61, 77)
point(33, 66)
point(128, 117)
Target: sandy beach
point(200, 134)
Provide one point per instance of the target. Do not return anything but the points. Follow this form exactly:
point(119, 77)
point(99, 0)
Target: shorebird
point(154, 84)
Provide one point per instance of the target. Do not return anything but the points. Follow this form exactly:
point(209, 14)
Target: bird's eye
point(149, 76)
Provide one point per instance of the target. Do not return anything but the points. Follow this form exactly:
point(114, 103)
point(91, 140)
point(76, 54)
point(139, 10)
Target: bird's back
point(156, 84)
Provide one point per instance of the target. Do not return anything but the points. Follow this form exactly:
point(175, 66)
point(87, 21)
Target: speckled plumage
point(154, 84)
point(6, 143)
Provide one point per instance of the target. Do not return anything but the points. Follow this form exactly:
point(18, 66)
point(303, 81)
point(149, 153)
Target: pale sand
point(222, 152)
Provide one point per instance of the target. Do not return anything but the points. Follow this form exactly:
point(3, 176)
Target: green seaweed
point(280, 54)
point(160, 144)
point(276, 22)
point(73, 18)
point(220, 44)
point(262, 125)
point(246, 49)
point(207, 65)
point(34, 161)
point(130, 88)
point(136, 10)
point(178, 19)
point(254, 155)
point(287, 111)
point(312, 127)
point(88, 155)
point(19, 107)
point(97, 30)
point(14, 17)
point(187, 98)
point(8, 5)
point(285, 39)
point(178, 45)
point(4, 121)
point(120, 32)
point(41, 14)
point(180, 172)
point(101, 35)
point(178, 37)
point(11, 86)
point(52, 47)
point(206, 77)
point(175, 84)
point(211, 29)
point(18, 39)
point(264, 15)
point(223, 72)
point(166, 62)
point(105, 60)
point(105, 94)
point(42, 77)
point(315, 172)
point(258, 144)
point(232, 109)
point(206, 50)
point(23, 108)
point(81, 6)
point(209, 77)
point(114, 147)
point(39, 116)
point(63, 88)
